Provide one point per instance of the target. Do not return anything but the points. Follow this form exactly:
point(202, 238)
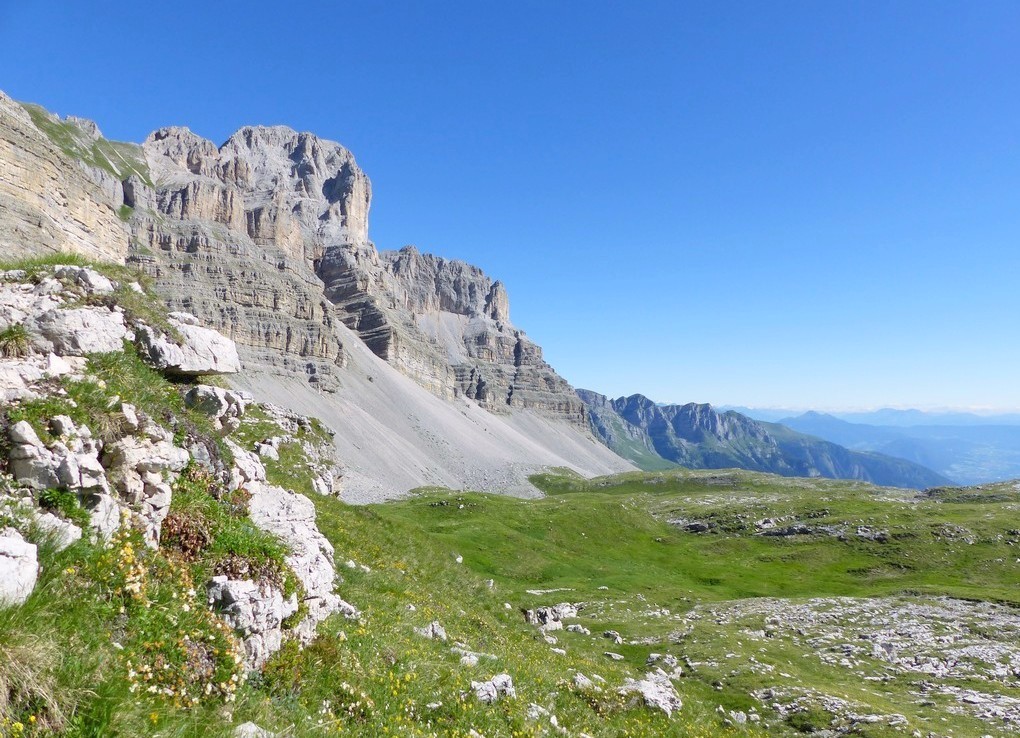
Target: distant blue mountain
point(966, 452)
point(655, 436)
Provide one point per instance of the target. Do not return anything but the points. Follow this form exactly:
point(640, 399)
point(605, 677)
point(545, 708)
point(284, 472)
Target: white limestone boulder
point(19, 567)
point(655, 690)
point(499, 687)
point(200, 352)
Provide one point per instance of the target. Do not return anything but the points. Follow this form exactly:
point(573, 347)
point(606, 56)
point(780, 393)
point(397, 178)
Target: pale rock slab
point(19, 567)
point(202, 351)
point(80, 331)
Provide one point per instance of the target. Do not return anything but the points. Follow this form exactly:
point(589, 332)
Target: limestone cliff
point(447, 325)
point(265, 238)
point(54, 193)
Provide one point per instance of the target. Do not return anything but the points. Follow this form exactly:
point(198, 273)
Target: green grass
point(560, 542)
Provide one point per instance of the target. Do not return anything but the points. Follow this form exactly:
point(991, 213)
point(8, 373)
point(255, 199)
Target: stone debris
point(667, 662)
point(941, 640)
point(19, 567)
point(551, 618)
point(494, 689)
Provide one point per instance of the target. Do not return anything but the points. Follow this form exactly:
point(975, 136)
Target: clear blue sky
point(808, 204)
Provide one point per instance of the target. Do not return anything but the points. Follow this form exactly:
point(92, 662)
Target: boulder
point(251, 730)
point(494, 689)
point(19, 567)
point(656, 690)
point(433, 630)
point(199, 352)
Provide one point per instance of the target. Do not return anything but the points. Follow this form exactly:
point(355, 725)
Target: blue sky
point(801, 204)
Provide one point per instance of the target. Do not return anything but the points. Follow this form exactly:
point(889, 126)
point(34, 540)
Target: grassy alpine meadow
point(807, 605)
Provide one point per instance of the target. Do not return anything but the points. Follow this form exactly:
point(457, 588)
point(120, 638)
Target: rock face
point(447, 325)
point(265, 238)
point(51, 200)
point(699, 437)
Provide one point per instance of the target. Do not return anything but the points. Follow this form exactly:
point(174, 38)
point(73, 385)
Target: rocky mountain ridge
point(699, 437)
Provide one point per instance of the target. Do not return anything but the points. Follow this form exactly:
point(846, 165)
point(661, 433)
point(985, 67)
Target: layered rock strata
point(266, 238)
point(51, 199)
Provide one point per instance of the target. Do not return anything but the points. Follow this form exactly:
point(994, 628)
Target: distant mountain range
point(698, 436)
point(893, 417)
point(966, 452)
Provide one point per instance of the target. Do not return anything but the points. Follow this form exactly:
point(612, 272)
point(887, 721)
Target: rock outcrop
point(264, 239)
point(256, 611)
point(291, 518)
point(51, 199)
point(655, 690)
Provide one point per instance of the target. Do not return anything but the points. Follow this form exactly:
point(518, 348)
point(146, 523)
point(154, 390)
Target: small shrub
point(186, 532)
point(15, 342)
point(65, 503)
